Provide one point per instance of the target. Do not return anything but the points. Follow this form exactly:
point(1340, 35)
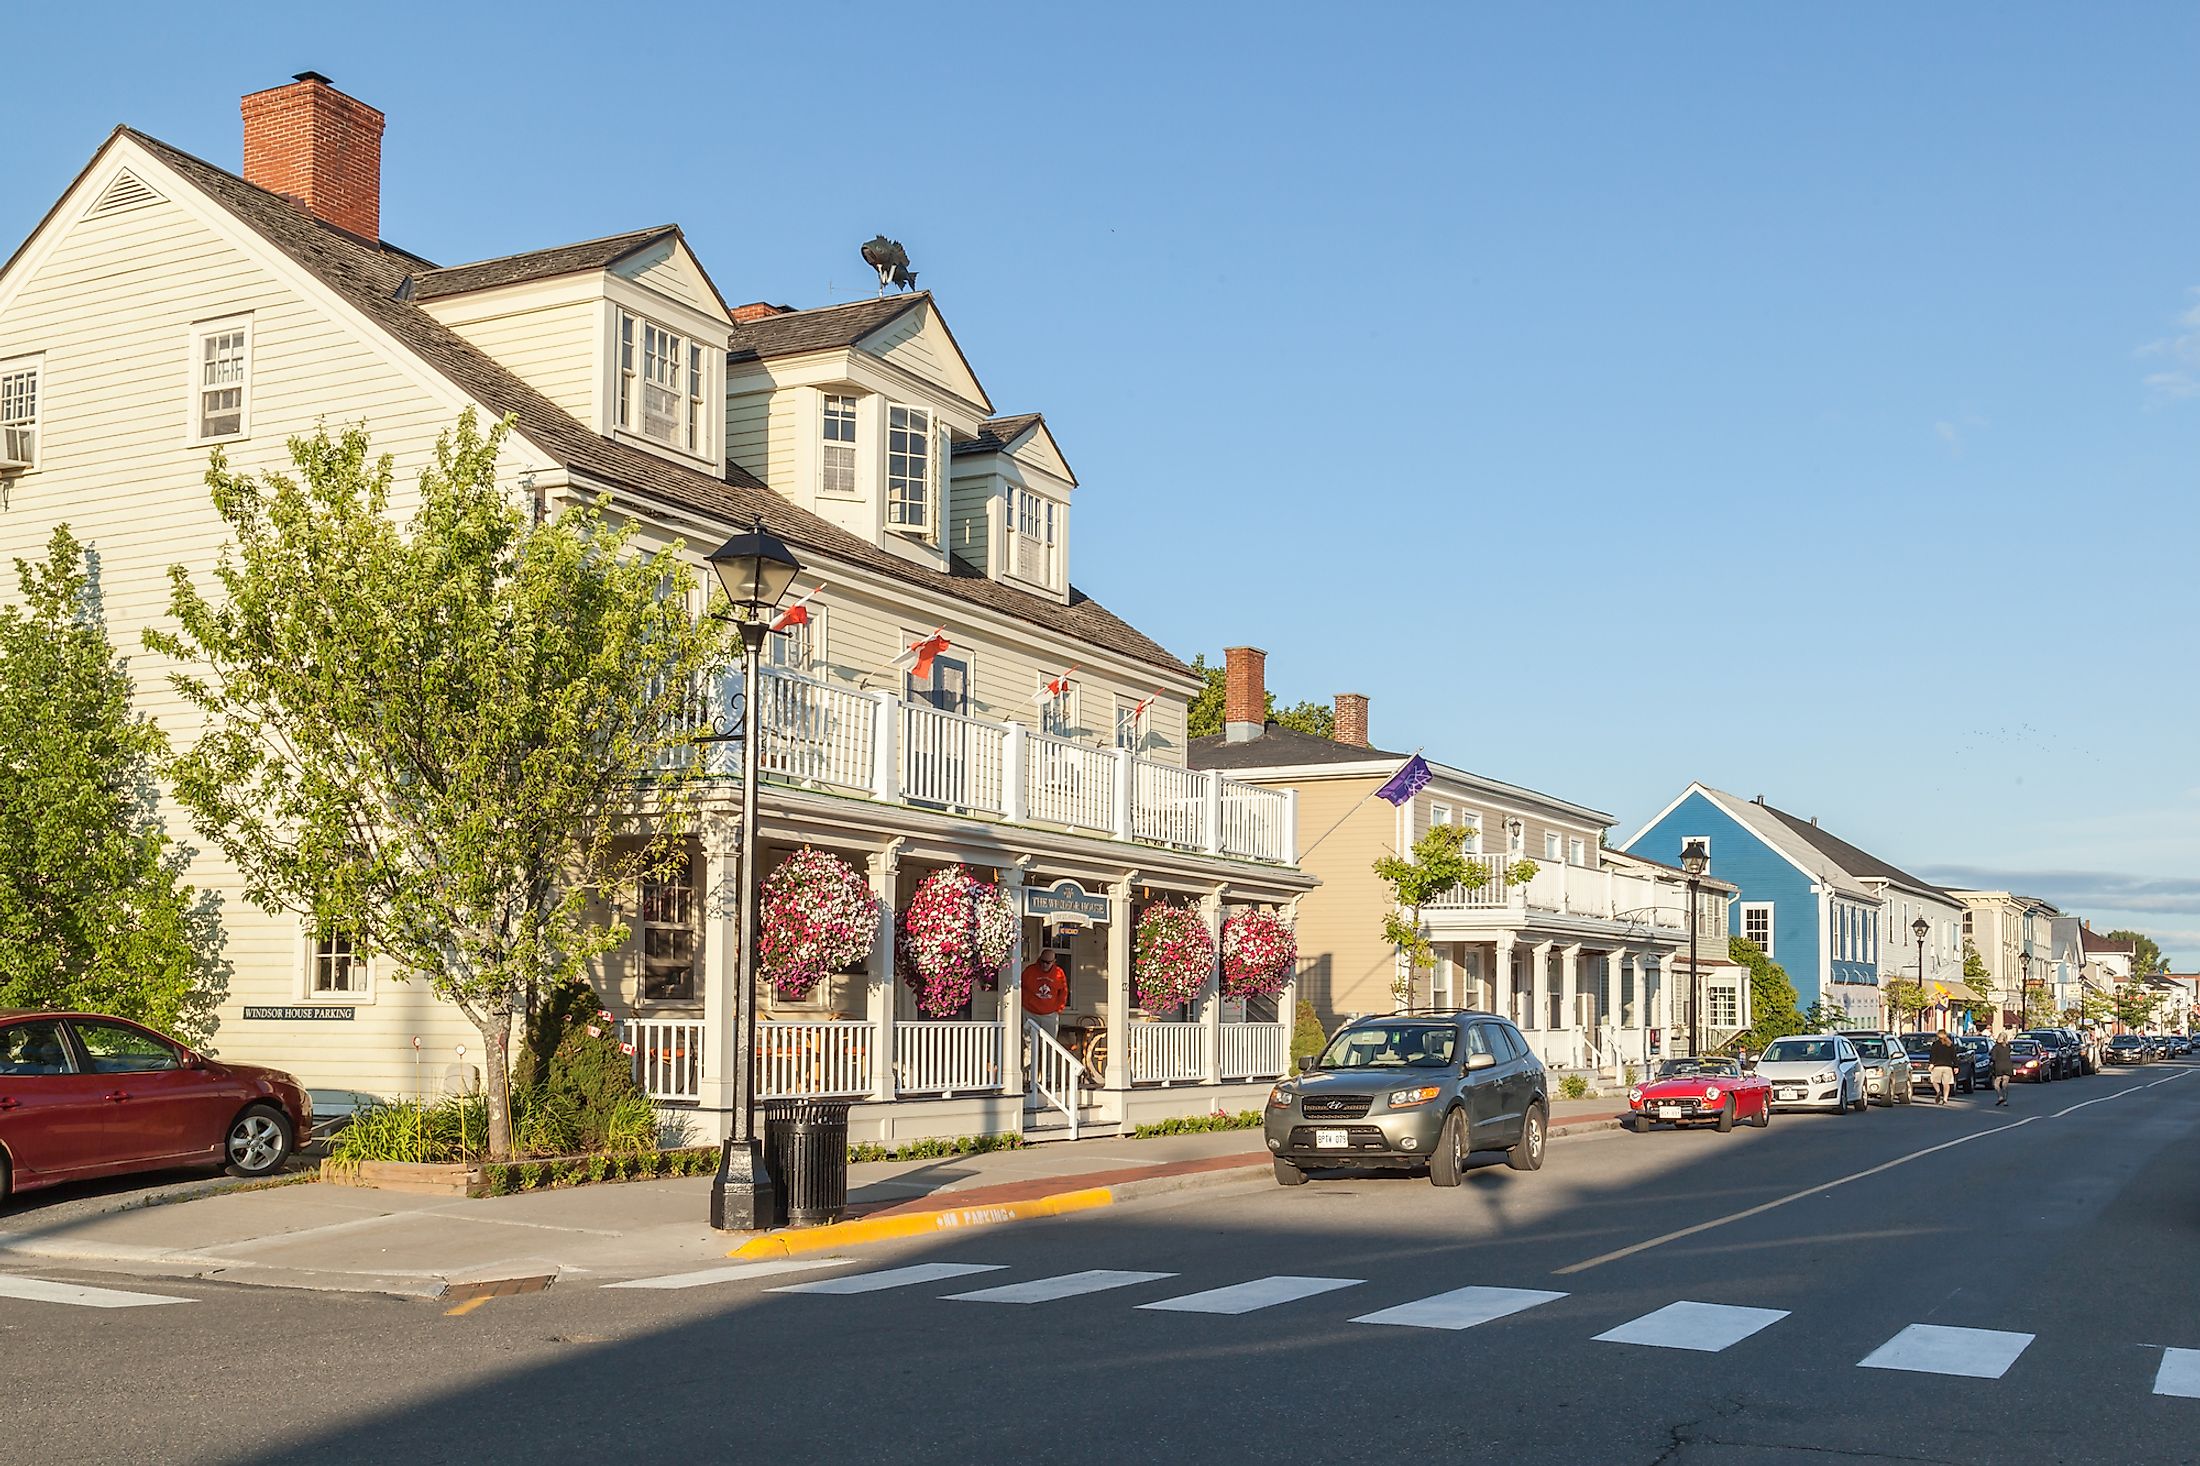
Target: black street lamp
point(1695, 860)
point(1918, 929)
point(755, 568)
point(2024, 989)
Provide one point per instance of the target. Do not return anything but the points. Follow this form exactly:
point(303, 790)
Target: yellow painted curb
point(916, 1224)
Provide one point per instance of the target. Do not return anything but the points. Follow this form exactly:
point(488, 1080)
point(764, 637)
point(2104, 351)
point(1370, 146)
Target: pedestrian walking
point(1943, 1058)
point(2005, 1067)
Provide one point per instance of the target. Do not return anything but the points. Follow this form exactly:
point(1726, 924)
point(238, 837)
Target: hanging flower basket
point(956, 931)
point(1174, 956)
point(1258, 953)
point(817, 917)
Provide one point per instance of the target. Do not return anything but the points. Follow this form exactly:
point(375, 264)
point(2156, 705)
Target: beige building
point(165, 307)
point(1588, 955)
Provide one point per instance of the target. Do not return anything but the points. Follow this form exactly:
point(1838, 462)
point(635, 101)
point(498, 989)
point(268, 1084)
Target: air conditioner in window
point(16, 447)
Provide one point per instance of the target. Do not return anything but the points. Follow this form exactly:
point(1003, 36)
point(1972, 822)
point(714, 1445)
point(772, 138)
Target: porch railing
point(947, 1057)
point(1166, 1053)
point(795, 1060)
point(1493, 894)
point(1055, 1072)
point(1069, 783)
point(817, 734)
point(950, 760)
point(1255, 1050)
point(668, 1056)
point(1167, 804)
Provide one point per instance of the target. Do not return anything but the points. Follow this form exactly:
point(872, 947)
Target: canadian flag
point(1048, 691)
point(919, 654)
point(797, 614)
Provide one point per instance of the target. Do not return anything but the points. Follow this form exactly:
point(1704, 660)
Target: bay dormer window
point(663, 386)
point(910, 472)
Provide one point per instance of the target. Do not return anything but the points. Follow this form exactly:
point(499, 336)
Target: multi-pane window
point(1472, 819)
point(223, 375)
point(668, 936)
point(909, 467)
point(338, 966)
point(1757, 924)
point(1034, 537)
point(798, 647)
point(698, 417)
point(837, 473)
point(660, 384)
point(1724, 1005)
point(1129, 719)
point(1058, 713)
point(627, 381)
point(19, 412)
point(663, 386)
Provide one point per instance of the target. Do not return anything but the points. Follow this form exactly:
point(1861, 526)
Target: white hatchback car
point(1813, 1071)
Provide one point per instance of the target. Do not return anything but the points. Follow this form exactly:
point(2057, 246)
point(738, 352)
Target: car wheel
point(1289, 1175)
point(1726, 1116)
point(1637, 1124)
point(1448, 1162)
point(7, 1183)
point(1908, 1093)
point(1528, 1154)
point(259, 1142)
point(1764, 1116)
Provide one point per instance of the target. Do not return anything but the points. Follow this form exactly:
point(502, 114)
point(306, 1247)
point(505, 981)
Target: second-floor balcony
point(848, 740)
point(1599, 892)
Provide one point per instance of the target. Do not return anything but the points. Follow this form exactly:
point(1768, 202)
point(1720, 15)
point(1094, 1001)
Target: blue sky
point(1807, 401)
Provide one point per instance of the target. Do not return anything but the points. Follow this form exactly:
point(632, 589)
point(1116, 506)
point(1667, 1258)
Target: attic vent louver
point(128, 191)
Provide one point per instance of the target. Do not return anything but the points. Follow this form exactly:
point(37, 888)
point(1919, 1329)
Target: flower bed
point(1259, 951)
point(1174, 956)
point(818, 916)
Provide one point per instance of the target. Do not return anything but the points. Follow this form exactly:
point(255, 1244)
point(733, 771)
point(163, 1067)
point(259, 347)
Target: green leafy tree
point(1205, 717)
point(2146, 953)
point(1912, 998)
point(2135, 1005)
point(1825, 1017)
point(1438, 863)
point(1773, 1002)
point(2095, 1008)
point(1979, 1001)
point(2040, 1008)
point(94, 911)
point(433, 735)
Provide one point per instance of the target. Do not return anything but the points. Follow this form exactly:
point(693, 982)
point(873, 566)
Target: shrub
point(1307, 1034)
point(933, 1149)
point(1196, 1124)
point(1573, 1086)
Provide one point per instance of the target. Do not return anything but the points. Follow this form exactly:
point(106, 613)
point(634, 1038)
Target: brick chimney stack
point(1244, 693)
point(318, 148)
point(757, 310)
point(1351, 724)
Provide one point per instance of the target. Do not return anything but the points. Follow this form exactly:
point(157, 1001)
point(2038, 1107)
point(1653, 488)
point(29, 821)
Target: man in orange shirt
point(1046, 992)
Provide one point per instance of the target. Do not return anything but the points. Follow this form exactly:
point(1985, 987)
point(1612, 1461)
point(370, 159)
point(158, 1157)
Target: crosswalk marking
point(1927, 1348)
point(38, 1290)
point(734, 1273)
point(893, 1277)
point(1461, 1308)
point(1705, 1327)
point(1068, 1285)
point(2179, 1374)
point(1259, 1293)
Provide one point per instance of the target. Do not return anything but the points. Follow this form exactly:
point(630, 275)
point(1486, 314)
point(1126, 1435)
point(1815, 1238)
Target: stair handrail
point(1055, 1071)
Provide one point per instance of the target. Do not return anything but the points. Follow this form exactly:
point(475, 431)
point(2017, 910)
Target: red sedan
point(83, 1095)
point(1692, 1091)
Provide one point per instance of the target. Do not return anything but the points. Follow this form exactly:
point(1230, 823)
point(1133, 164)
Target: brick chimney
point(318, 148)
point(1351, 724)
point(1244, 693)
point(757, 310)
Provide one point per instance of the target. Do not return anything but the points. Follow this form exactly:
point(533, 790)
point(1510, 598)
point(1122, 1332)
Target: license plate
point(1791, 1094)
point(1332, 1139)
point(1669, 1112)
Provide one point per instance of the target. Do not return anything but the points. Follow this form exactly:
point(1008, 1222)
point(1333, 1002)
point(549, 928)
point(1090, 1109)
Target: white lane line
point(1930, 1348)
point(1704, 1327)
point(1068, 1285)
point(38, 1290)
point(1762, 1207)
point(1461, 1308)
point(1259, 1293)
point(735, 1272)
point(893, 1277)
point(2179, 1374)
point(2100, 1100)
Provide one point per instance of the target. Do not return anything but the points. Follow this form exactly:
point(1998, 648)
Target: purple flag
point(1407, 782)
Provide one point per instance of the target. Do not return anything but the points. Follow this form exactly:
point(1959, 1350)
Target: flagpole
point(1355, 809)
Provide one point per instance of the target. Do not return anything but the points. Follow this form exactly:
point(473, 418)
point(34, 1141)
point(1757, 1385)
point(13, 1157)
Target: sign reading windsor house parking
point(1065, 903)
point(302, 1013)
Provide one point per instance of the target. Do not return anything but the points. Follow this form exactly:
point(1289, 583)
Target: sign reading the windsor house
point(1065, 903)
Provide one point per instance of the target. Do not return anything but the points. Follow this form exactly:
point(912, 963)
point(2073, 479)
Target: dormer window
point(664, 386)
point(909, 472)
point(837, 473)
point(1034, 557)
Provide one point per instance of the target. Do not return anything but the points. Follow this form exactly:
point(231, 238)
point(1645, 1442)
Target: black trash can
point(806, 1146)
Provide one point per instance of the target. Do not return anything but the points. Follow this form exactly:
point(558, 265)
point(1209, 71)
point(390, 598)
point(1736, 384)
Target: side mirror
point(1478, 1061)
point(192, 1061)
point(1306, 1063)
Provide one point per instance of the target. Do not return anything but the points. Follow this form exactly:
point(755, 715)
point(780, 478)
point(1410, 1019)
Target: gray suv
point(1412, 1089)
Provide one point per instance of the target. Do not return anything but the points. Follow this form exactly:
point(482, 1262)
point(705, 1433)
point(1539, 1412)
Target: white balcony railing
point(1255, 1050)
point(819, 735)
point(668, 1056)
point(1167, 1053)
point(946, 1057)
point(797, 1060)
point(1495, 893)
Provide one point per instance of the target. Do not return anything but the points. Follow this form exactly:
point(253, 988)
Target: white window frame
point(1552, 846)
point(1438, 814)
point(828, 445)
point(310, 958)
point(798, 649)
point(1058, 715)
point(1127, 734)
point(201, 333)
point(1472, 819)
point(1032, 522)
point(690, 881)
point(690, 382)
point(1720, 996)
point(1577, 851)
point(33, 367)
point(897, 505)
point(1748, 909)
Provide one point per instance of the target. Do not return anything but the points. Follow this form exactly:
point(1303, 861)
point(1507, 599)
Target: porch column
point(720, 911)
point(1120, 940)
point(1012, 986)
point(1615, 974)
point(1539, 978)
point(879, 990)
point(1210, 995)
point(1569, 990)
point(1501, 978)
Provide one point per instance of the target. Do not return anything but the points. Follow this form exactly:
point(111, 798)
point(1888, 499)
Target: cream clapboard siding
point(552, 346)
point(748, 433)
point(1345, 966)
point(667, 269)
point(971, 502)
point(112, 310)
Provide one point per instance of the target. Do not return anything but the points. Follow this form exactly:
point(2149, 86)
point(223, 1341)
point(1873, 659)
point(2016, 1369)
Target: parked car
point(1887, 1068)
point(1973, 1067)
point(1699, 1091)
point(1408, 1091)
point(2062, 1050)
point(2034, 1064)
point(83, 1095)
point(1817, 1071)
point(2128, 1048)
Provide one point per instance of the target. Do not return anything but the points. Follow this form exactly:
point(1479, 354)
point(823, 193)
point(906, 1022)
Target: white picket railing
point(950, 760)
point(816, 734)
point(1168, 804)
point(1256, 822)
point(1069, 783)
point(1255, 1050)
point(668, 1056)
point(1167, 1052)
point(946, 1057)
point(1493, 894)
point(796, 1060)
point(1055, 1072)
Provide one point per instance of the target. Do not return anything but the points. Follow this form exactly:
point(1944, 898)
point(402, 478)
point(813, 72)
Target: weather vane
point(892, 263)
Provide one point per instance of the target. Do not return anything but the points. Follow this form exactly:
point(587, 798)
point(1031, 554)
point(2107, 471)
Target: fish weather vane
point(892, 263)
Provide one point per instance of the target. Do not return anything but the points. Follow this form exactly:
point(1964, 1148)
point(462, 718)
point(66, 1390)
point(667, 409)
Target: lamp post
point(1695, 860)
point(1918, 929)
point(2024, 988)
point(755, 568)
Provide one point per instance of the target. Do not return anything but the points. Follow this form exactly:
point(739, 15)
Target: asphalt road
point(2044, 1251)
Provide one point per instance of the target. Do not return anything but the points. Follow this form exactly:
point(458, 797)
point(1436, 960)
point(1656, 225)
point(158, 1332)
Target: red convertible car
point(1692, 1091)
point(83, 1095)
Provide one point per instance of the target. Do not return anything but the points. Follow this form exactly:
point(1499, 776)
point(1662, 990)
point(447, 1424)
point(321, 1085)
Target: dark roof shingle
point(996, 433)
point(540, 264)
point(820, 329)
point(1856, 862)
point(1279, 747)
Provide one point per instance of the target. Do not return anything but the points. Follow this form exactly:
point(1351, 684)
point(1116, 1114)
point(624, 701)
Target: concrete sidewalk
point(345, 1239)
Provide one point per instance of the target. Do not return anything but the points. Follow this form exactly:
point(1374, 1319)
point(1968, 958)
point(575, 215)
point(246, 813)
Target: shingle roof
point(996, 433)
point(2093, 941)
point(540, 264)
point(1279, 747)
point(367, 276)
point(1802, 835)
point(820, 329)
